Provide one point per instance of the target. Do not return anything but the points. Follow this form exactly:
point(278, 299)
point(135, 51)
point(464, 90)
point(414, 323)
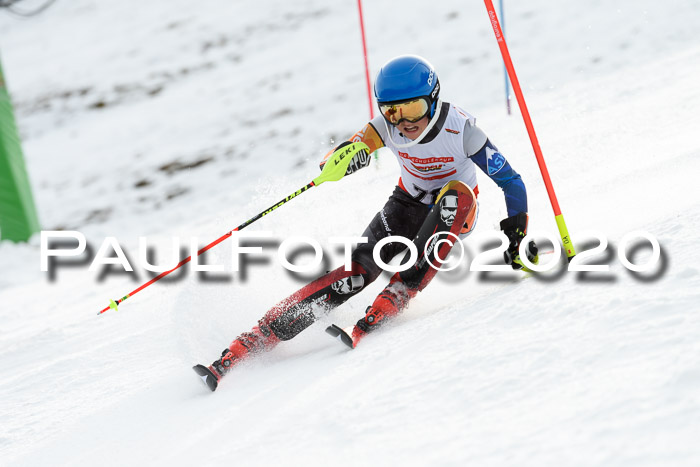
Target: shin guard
point(455, 206)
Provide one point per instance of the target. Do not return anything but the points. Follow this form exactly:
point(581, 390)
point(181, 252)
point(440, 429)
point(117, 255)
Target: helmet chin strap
point(430, 126)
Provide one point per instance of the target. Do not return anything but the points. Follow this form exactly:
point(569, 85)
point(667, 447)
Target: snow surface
point(185, 118)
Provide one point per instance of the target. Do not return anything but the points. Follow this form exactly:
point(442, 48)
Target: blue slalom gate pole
point(505, 72)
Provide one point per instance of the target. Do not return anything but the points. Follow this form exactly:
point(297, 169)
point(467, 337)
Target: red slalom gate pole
point(561, 225)
point(364, 52)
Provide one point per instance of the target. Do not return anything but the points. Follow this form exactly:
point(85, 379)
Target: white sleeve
point(379, 124)
point(474, 137)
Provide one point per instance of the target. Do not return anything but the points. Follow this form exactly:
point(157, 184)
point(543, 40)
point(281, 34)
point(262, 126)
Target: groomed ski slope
point(110, 97)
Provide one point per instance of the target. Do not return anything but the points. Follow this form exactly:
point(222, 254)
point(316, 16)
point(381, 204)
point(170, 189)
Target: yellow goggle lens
point(411, 110)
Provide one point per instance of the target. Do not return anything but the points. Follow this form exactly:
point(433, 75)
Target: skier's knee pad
point(470, 222)
point(457, 205)
point(454, 207)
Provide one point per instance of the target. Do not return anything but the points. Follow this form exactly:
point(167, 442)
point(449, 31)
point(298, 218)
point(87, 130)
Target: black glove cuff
point(516, 224)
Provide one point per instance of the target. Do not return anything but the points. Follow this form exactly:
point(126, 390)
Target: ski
point(207, 376)
point(337, 331)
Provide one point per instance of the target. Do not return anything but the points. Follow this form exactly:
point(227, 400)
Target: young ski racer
point(438, 146)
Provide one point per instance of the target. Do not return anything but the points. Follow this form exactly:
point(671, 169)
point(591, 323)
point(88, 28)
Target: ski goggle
point(411, 111)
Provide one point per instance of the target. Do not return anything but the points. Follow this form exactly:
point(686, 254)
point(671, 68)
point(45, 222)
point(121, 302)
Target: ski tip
point(333, 330)
point(337, 331)
point(206, 376)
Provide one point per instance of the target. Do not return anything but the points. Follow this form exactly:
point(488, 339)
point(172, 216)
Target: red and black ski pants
point(401, 216)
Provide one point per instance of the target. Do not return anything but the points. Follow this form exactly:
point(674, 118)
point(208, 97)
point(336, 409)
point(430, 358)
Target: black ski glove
point(515, 228)
point(359, 161)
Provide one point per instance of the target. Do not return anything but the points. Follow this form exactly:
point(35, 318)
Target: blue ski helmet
point(407, 77)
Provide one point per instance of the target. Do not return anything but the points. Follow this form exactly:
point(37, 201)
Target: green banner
point(18, 217)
